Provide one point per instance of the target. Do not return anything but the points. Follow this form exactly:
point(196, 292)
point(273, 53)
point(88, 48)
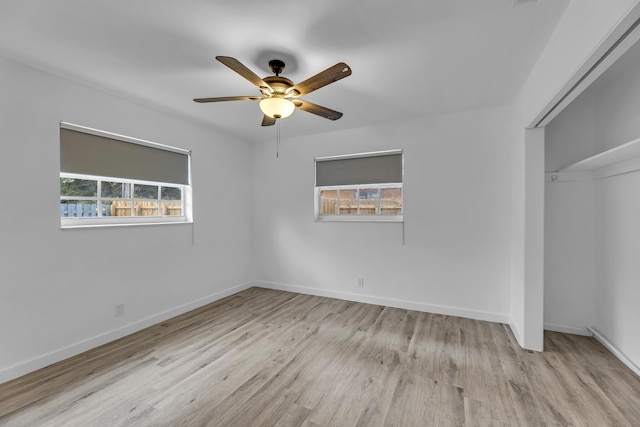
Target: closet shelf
point(621, 153)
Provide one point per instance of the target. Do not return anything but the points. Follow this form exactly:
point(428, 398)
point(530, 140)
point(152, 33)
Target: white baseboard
point(389, 302)
point(66, 352)
point(616, 352)
point(568, 330)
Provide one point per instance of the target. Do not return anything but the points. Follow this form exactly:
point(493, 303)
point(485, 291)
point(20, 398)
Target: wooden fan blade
point(229, 98)
point(239, 68)
point(323, 78)
point(268, 121)
point(318, 110)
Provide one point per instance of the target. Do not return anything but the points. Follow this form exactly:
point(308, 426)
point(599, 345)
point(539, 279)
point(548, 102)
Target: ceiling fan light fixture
point(277, 107)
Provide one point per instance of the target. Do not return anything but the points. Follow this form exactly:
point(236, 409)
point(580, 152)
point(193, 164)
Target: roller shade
point(373, 168)
point(90, 154)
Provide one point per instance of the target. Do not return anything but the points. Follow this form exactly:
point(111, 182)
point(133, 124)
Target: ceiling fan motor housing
point(279, 84)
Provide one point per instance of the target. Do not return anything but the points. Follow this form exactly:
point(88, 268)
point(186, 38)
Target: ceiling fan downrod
point(276, 66)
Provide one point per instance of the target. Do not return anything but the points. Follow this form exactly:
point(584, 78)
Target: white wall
point(618, 269)
point(571, 137)
point(517, 223)
point(456, 258)
point(618, 209)
point(533, 332)
point(527, 242)
point(616, 96)
point(59, 287)
point(592, 270)
point(570, 256)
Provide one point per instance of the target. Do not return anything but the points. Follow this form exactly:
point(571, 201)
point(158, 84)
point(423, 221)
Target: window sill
point(72, 223)
point(359, 218)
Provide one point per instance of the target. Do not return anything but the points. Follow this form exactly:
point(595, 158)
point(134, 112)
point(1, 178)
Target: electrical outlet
point(361, 282)
point(119, 310)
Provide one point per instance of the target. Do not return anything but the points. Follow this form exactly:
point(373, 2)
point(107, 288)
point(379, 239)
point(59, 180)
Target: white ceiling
point(409, 57)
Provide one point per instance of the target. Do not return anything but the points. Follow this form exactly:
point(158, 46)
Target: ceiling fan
point(279, 94)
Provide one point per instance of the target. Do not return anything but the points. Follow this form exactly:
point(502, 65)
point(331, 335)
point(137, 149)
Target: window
point(360, 187)
point(87, 196)
point(108, 179)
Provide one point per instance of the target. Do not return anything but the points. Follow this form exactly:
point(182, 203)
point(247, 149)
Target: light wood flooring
point(271, 358)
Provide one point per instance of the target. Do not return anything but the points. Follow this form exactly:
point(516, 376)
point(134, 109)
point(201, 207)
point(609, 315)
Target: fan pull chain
point(277, 139)
point(404, 241)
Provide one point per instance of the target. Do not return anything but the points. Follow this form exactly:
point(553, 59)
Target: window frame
point(358, 216)
point(100, 220)
point(397, 218)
